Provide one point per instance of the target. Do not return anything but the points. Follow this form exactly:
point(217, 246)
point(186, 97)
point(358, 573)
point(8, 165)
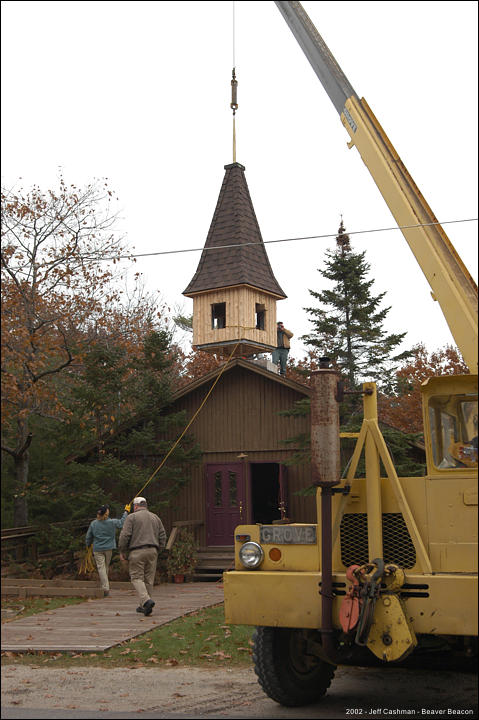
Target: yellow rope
point(190, 423)
point(87, 565)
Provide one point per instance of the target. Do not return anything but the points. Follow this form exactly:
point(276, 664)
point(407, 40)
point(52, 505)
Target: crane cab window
point(218, 316)
point(453, 428)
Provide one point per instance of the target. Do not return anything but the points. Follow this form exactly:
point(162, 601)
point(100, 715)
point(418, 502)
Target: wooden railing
point(24, 538)
point(192, 525)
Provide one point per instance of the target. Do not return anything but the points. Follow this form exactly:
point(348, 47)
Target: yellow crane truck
point(391, 563)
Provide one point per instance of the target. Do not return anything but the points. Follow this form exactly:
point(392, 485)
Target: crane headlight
point(251, 555)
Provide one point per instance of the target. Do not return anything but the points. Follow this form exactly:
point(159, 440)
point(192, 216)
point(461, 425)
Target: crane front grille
point(397, 544)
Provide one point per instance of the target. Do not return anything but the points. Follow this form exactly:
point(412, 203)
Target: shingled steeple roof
point(228, 259)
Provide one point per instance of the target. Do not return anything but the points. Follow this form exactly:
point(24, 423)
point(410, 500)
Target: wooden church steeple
point(234, 290)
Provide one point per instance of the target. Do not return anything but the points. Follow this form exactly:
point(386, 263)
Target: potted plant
point(181, 559)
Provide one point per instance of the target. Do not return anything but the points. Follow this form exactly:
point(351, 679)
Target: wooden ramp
point(96, 625)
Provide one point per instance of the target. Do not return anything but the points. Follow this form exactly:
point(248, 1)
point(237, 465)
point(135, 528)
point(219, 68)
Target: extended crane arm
point(451, 283)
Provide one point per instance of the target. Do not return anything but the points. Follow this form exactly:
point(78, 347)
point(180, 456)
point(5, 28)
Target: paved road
point(227, 693)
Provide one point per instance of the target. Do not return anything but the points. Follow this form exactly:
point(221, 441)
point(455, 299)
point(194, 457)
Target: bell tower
point(234, 290)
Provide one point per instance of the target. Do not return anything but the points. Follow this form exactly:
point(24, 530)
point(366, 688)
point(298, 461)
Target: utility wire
point(282, 240)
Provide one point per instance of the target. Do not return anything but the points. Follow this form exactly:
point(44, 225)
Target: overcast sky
point(139, 92)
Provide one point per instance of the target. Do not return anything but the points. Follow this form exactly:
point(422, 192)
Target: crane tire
point(286, 674)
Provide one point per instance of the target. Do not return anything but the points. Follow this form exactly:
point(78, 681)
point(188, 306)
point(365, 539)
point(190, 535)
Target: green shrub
point(181, 559)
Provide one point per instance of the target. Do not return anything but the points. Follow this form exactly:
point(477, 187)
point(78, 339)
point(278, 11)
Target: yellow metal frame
point(371, 440)
point(292, 599)
point(439, 510)
point(285, 592)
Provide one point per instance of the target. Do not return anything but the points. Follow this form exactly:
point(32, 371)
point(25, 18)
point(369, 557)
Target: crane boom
point(450, 281)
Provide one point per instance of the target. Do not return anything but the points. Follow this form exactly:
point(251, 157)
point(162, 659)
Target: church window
point(260, 312)
point(218, 316)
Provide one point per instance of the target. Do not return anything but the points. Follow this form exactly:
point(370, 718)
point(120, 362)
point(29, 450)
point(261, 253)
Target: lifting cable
point(234, 107)
point(87, 564)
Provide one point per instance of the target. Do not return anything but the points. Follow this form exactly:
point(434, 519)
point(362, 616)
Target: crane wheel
point(286, 672)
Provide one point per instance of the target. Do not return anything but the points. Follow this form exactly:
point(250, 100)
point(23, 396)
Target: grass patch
point(201, 638)
point(34, 605)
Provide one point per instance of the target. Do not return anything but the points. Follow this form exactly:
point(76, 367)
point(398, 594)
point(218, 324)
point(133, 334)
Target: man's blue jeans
point(280, 355)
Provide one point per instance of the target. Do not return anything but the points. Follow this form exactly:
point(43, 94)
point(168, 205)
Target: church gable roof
point(228, 258)
point(248, 365)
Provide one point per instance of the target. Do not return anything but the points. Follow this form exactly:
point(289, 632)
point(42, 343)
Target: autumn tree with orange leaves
point(54, 291)
point(403, 410)
point(198, 363)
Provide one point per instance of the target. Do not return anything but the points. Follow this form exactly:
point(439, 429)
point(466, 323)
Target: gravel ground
point(222, 692)
point(138, 689)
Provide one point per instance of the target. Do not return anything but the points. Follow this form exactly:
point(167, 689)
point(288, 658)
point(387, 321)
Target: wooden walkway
point(96, 625)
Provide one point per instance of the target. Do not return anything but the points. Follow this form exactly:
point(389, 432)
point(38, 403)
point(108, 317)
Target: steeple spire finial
point(234, 107)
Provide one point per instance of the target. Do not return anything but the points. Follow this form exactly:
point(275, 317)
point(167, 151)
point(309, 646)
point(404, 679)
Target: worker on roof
point(280, 355)
point(142, 536)
point(102, 534)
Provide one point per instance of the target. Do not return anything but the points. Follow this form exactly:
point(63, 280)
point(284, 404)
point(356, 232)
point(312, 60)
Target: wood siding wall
point(241, 416)
point(240, 316)
point(190, 504)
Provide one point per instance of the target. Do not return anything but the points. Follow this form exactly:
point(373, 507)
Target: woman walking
point(102, 534)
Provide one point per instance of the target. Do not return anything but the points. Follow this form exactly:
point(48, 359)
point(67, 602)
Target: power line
point(282, 240)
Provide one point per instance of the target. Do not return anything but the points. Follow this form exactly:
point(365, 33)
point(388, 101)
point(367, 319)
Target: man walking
point(280, 355)
point(142, 536)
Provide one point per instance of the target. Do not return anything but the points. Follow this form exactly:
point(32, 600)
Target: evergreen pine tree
point(348, 326)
